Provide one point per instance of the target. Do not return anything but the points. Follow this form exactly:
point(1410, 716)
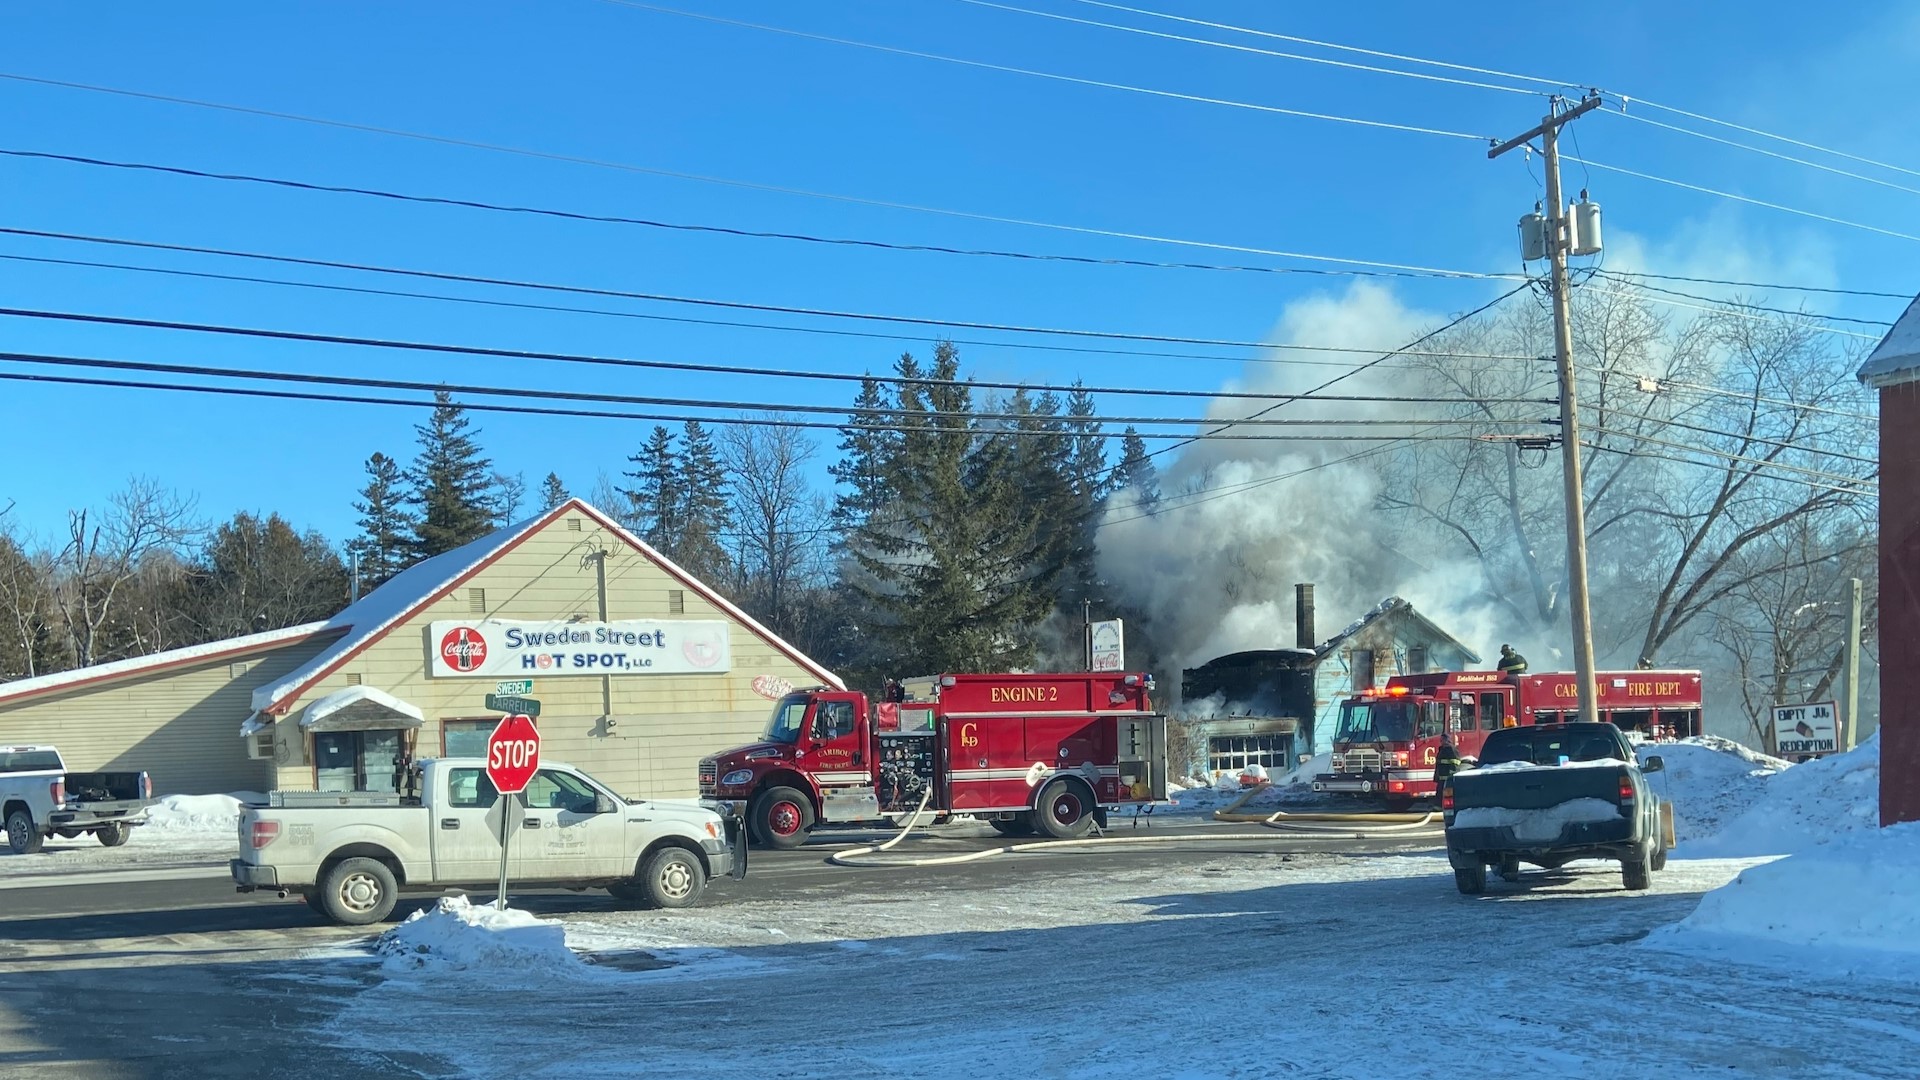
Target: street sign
point(516, 816)
point(514, 688)
point(1801, 730)
point(513, 754)
point(1106, 646)
point(525, 706)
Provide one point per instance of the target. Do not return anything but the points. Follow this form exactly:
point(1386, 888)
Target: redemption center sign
point(1805, 729)
point(503, 648)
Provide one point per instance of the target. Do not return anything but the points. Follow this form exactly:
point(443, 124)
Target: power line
point(719, 230)
point(1814, 484)
point(749, 185)
point(444, 348)
point(1694, 448)
point(1770, 135)
point(523, 393)
point(1050, 75)
point(1743, 198)
point(1250, 49)
point(1720, 307)
point(1903, 296)
point(1762, 151)
point(1664, 384)
point(474, 279)
point(1740, 303)
point(1781, 444)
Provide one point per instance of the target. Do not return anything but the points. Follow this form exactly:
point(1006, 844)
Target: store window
point(1226, 753)
point(465, 738)
point(359, 760)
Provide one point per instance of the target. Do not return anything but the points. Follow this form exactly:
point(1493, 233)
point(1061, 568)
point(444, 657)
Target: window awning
point(360, 708)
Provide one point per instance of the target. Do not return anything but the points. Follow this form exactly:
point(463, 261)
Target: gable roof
point(229, 648)
point(1897, 358)
point(1394, 605)
point(412, 590)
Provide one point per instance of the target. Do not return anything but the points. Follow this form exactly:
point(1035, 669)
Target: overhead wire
point(1840, 489)
point(721, 230)
point(1743, 304)
point(1638, 119)
point(1051, 75)
point(1749, 200)
point(1695, 448)
point(782, 309)
point(497, 352)
point(1770, 285)
point(1664, 384)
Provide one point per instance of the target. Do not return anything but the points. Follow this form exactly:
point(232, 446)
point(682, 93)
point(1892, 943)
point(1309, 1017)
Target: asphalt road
point(135, 975)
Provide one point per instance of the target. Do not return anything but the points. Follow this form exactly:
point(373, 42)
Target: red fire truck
point(1027, 753)
point(1388, 738)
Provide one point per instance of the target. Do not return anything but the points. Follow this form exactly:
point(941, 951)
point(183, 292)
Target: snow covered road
point(1249, 966)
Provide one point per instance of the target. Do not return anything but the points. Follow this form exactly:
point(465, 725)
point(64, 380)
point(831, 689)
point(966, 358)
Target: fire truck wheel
point(781, 816)
point(1471, 882)
point(1399, 806)
point(1065, 811)
point(1015, 826)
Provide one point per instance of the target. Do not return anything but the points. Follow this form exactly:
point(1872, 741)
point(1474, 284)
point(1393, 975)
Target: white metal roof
point(41, 684)
point(1897, 358)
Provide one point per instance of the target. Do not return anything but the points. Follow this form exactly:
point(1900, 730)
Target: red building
point(1894, 369)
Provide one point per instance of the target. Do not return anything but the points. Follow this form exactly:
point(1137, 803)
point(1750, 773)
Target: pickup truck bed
point(39, 798)
point(1549, 795)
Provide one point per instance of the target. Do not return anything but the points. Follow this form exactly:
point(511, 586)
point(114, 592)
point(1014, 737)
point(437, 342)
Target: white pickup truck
point(39, 798)
point(350, 857)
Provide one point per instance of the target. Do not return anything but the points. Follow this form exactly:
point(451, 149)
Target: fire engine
point(1049, 753)
point(1388, 738)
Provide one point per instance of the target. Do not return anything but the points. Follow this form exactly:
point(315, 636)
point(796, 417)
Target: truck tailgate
point(1536, 788)
point(104, 786)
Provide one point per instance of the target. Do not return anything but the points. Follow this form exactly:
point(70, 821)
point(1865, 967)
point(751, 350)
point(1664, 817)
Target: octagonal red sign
point(513, 754)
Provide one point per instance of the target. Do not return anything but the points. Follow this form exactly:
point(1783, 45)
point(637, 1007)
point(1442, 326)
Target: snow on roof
point(340, 699)
point(406, 592)
point(1897, 358)
point(41, 684)
point(1386, 607)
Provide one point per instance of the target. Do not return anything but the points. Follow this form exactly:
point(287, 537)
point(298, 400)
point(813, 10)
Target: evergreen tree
point(452, 482)
point(1135, 476)
point(866, 454)
point(552, 492)
point(260, 574)
point(953, 575)
point(653, 502)
point(384, 546)
point(1085, 468)
point(704, 510)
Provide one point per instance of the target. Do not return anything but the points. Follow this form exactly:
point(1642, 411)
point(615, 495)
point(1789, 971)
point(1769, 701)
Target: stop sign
point(513, 754)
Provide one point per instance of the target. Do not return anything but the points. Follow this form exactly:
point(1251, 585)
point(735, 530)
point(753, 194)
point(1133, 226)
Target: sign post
point(513, 756)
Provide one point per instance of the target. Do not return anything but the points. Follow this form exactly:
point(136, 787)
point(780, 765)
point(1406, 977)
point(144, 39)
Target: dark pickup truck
point(1550, 794)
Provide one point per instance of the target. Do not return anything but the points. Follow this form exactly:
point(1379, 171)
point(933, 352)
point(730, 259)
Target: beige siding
point(663, 724)
point(180, 725)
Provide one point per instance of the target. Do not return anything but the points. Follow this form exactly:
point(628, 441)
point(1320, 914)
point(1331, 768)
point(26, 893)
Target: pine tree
point(552, 492)
point(653, 502)
point(704, 510)
point(452, 482)
point(384, 546)
point(1085, 468)
point(1135, 477)
point(866, 453)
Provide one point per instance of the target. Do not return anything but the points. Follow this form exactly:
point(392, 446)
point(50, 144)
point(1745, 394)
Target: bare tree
point(779, 548)
point(26, 605)
point(102, 556)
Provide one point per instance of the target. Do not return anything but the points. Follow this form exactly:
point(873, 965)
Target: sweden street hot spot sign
point(505, 649)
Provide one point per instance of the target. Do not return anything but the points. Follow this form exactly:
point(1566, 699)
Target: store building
point(638, 670)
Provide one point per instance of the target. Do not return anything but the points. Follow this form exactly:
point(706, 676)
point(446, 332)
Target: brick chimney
point(1303, 635)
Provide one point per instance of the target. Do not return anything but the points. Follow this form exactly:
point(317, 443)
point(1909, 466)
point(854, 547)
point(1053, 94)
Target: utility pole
point(1559, 241)
point(1850, 727)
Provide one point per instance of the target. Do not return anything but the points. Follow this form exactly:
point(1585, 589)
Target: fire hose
point(1368, 824)
point(861, 856)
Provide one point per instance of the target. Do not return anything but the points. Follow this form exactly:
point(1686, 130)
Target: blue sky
point(593, 79)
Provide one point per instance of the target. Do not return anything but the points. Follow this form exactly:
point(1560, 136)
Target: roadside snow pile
point(1710, 782)
point(200, 813)
point(1538, 825)
point(1207, 795)
point(1800, 807)
point(455, 934)
point(1848, 899)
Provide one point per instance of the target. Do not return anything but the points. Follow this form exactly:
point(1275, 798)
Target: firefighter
point(1512, 663)
point(895, 693)
point(1446, 763)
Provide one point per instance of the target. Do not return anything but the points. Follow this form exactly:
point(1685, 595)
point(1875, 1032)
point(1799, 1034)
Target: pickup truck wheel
point(1471, 882)
point(1636, 871)
point(114, 833)
point(1509, 869)
point(312, 897)
point(1659, 858)
point(781, 816)
point(1064, 811)
point(23, 836)
point(358, 891)
point(672, 878)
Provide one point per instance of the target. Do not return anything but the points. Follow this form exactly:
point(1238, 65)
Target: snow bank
point(200, 813)
point(1800, 807)
point(454, 934)
point(1537, 825)
point(1710, 782)
point(1834, 906)
point(1523, 766)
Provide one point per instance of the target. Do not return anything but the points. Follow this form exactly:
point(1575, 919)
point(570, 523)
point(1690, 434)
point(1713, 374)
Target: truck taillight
point(58, 789)
point(1626, 788)
point(146, 786)
point(264, 833)
point(1446, 797)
